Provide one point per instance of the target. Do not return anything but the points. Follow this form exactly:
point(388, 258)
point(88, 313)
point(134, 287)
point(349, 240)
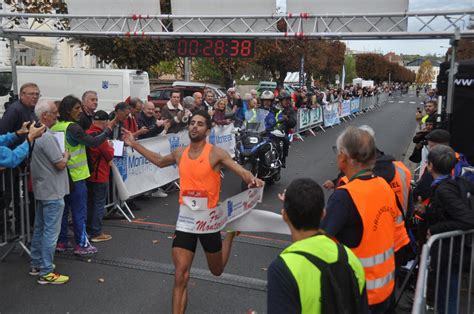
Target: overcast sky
point(421, 47)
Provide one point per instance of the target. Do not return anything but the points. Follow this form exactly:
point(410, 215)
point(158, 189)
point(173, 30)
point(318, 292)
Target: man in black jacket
point(21, 110)
point(448, 210)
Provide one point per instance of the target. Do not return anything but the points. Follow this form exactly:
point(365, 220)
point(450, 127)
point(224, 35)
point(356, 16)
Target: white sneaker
point(159, 193)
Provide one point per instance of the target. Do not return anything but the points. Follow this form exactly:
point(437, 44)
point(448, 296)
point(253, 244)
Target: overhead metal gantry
point(397, 25)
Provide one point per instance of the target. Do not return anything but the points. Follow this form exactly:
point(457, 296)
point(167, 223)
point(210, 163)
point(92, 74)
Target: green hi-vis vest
point(308, 277)
point(277, 117)
point(77, 164)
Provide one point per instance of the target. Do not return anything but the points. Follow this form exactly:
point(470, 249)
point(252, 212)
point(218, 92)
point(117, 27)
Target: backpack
point(339, 286)
point(466, 188)
point(463, 169)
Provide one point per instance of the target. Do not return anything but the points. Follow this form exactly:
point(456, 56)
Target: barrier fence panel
point(308, 119)
point(445, 274)
point(344, 108)
point(15, 210)
point(331, 114)
point(355, 105)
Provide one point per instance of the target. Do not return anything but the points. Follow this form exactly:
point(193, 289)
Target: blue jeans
point(77, 201)
point(45, 234)
point(97, 197)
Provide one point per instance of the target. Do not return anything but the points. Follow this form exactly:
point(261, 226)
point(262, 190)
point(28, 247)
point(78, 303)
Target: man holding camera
point(176, 113)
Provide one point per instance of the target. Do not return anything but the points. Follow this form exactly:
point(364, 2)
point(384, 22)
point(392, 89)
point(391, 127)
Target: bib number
point(195, 200)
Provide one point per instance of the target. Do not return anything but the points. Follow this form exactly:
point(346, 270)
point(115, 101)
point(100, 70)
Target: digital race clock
point(215, 47)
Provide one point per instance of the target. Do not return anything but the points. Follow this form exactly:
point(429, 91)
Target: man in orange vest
point(199, 171)
point(398, 176)
point(362, 215)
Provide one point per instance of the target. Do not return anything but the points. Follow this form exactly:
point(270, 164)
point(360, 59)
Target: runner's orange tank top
point(198, 175)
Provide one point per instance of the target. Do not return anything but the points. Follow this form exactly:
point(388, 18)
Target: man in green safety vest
point(315, 274)
point(76, 140)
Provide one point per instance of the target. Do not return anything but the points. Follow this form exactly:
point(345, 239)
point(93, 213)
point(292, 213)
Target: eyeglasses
point(33, 94)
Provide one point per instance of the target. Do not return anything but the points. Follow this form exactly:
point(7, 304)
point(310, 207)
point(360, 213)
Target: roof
point(419, 61)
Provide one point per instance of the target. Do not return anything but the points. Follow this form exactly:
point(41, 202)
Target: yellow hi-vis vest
point(77, 164)
point(308, 277)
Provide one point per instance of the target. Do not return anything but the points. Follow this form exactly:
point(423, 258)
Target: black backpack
point(339, 286)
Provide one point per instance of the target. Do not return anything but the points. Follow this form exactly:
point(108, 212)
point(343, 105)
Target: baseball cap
point(101, 115)
point(438, 136)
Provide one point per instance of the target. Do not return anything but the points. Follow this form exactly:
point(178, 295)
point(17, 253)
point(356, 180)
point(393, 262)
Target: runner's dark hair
point(206, 116)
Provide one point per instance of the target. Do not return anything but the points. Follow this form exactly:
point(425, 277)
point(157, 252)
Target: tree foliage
point(465, 50)
point(350, 65)
point(375, 67)
point(135, 53)
point(323, 59)
point(425, 73)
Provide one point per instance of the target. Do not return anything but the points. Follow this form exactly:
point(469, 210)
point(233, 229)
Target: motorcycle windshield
point(255, 121)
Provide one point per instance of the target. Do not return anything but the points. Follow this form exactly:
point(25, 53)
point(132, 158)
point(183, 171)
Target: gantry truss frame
point(397, 25)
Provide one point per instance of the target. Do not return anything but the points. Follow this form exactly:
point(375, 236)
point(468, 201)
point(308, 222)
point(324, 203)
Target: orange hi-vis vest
point(377, 207)
point(342, 180)
point(198, 175)
point(401, 186)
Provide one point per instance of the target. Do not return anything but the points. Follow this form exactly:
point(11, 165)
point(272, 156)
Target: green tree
point(425, 73)
point(350, 65)
point(206, 69)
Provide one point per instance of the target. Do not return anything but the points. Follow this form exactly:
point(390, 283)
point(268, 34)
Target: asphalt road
point(133, 271)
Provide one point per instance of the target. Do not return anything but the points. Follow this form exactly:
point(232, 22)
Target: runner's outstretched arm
point(228, 162)
point(154, 158)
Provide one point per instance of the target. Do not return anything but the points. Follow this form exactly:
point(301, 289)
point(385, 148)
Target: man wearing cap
point(99, 159)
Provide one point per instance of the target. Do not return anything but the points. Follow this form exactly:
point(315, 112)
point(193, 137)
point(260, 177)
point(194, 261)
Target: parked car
point(219, 91)
point(160, 96)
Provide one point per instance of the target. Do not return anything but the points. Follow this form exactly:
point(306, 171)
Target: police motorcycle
point(255, 150)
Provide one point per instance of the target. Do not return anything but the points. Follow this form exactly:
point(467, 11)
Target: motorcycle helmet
point(267, 95)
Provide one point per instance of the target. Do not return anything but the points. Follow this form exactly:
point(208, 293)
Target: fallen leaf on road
point(101, 280)
point(155, 241)
point(264, 268)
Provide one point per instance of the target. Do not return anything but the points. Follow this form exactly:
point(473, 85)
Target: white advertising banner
point(203, 220)
point(134, 174)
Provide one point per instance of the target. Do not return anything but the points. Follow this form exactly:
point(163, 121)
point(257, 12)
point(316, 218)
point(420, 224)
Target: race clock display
point(215, 47)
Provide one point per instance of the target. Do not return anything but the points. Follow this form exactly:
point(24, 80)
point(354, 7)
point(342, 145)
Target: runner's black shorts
point(211, 242)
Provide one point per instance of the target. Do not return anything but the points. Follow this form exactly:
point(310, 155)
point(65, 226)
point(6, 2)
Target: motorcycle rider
point(283, 118)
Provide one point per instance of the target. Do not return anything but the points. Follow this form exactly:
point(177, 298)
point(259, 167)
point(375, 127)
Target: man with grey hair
point(361, 215)
point(50, 185)
point(89, 106)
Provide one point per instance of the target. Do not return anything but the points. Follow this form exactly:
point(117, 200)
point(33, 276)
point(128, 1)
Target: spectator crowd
point(72, 178)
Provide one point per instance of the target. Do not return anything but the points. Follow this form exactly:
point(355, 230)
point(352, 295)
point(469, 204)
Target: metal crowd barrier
point(15, 227)
point(445, 274)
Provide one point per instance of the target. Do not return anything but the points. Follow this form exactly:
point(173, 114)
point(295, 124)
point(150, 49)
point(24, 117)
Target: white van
point(112, 86)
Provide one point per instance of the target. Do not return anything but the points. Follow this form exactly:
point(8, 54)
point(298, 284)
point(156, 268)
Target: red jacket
point(131, 123)
point(99, 158)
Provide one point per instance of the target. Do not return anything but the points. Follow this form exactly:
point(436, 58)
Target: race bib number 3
point(195, 199)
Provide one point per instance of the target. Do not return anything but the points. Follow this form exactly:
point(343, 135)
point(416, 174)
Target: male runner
point(199, 166)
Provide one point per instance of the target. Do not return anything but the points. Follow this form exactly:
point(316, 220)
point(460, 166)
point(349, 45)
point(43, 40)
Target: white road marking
point(390, 101)
point(401, 101)
point(412, 102)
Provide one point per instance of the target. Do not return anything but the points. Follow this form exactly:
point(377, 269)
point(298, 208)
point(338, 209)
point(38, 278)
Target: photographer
point(11, 158)
point(420, 140)
point(175, 113)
